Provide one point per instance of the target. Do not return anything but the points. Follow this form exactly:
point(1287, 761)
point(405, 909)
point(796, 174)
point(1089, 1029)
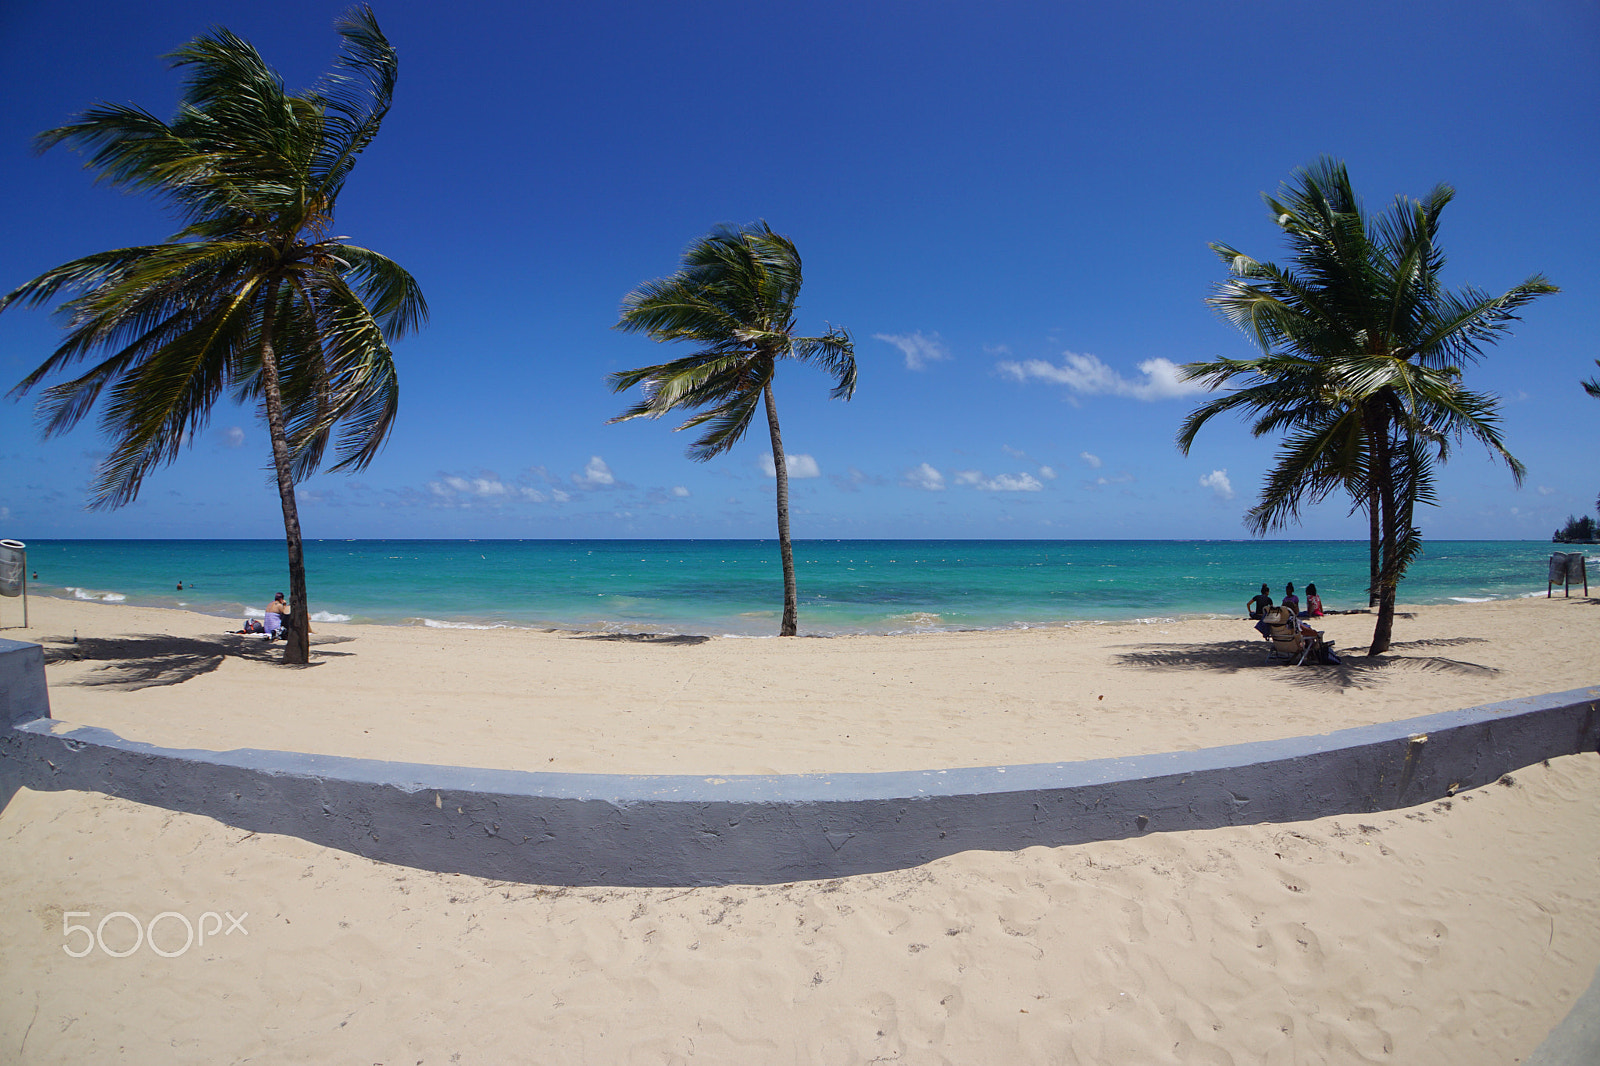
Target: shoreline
point(110, 599)
point(731, 588)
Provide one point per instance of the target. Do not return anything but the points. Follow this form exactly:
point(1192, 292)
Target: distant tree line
point(1583, 530)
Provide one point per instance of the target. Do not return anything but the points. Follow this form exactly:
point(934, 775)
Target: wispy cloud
point(462, 486)
point(797, 465)
point(233, 436)
point(1047, 472)
point(1088, 375)
point(853, 479)
point(1217, 481)
point(681, 492)
point(463, 491)
point(919, 348)
point(924, 476)
point(1023, 482)
point(1093, 461)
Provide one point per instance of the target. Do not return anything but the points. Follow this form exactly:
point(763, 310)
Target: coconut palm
point(254, 298)
point(1364, 352)
point(734, 299)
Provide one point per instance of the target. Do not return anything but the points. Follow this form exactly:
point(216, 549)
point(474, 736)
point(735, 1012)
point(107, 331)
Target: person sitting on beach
point(1290, 600)
point(1258, 606)
point(277, 611)
point(1313, 602)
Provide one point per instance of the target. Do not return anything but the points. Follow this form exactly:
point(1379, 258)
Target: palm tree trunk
point(791, 598)
point(1373, 537)
point(1384, 490)
point(297, 647)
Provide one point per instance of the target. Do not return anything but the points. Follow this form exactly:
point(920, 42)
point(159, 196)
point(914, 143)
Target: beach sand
point(1456, 932)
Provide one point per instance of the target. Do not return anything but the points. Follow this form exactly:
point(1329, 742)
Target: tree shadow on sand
point(646, 638)
point(1356, 670)
point(147, 660)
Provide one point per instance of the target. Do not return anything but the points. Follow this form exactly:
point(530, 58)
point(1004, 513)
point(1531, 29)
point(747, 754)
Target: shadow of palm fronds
point(1438, 642)
point(1229, 657)
point(646, 638)
point(1354, 671)
point(148, 660)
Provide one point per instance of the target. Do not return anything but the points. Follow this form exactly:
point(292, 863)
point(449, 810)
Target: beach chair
point(1288, 640)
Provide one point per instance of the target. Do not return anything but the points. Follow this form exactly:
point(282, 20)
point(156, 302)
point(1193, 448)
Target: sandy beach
point(1458, 932)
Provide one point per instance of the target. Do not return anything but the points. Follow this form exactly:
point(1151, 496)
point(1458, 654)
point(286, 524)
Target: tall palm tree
point(734, 299)
point(254, 297)
point(1364, 352)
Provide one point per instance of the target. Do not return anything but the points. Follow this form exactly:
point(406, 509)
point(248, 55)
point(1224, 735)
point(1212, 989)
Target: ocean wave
point(329, 616)
point(254, 612)
point(435, 623)
point(98, 597)
point(1472, 599)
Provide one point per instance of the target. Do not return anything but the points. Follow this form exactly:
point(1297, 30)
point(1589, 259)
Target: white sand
point(1458, 932)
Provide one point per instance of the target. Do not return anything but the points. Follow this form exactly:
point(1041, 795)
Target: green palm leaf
point(1363, 352)
point(733, 299)
point(252, 298)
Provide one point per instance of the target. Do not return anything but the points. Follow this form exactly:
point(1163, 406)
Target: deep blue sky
point(976, 189)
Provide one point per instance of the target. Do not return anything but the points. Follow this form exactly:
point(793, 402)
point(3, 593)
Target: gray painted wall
point(615, 829)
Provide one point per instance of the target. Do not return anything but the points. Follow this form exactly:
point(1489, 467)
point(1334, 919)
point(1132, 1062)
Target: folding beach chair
point(1287, 639)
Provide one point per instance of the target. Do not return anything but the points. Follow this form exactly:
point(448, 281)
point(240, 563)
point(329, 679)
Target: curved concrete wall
point(596, 829)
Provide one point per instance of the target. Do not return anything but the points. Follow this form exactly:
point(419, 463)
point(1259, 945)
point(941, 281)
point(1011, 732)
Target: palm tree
point(1592, 385)
point(253, 298)
point(1364, 352)
point(734, 299)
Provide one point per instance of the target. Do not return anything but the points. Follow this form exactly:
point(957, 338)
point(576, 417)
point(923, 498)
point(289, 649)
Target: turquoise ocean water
point(732, 587)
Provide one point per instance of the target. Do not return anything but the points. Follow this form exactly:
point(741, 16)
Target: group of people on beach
point(1261, 602)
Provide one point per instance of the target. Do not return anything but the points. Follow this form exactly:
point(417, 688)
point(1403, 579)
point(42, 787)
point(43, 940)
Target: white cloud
point(999, 483)
point(1011, 483)
point(919, 349)
point(1088, 375)
point(596, 474)
point(924, 477)
point(1093, 460)
point(680, 492)
point(1047, 472)
point(797, 465)
point(461, 486)
point(1546, 490)
point(1015, 453)
point(1217, 482)
point(233, 436)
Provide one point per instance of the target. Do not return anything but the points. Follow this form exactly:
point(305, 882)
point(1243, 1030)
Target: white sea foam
point(99, 597)
point(254, 612)
point(434, 623)
point(1473, 599)
point(329, 616)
